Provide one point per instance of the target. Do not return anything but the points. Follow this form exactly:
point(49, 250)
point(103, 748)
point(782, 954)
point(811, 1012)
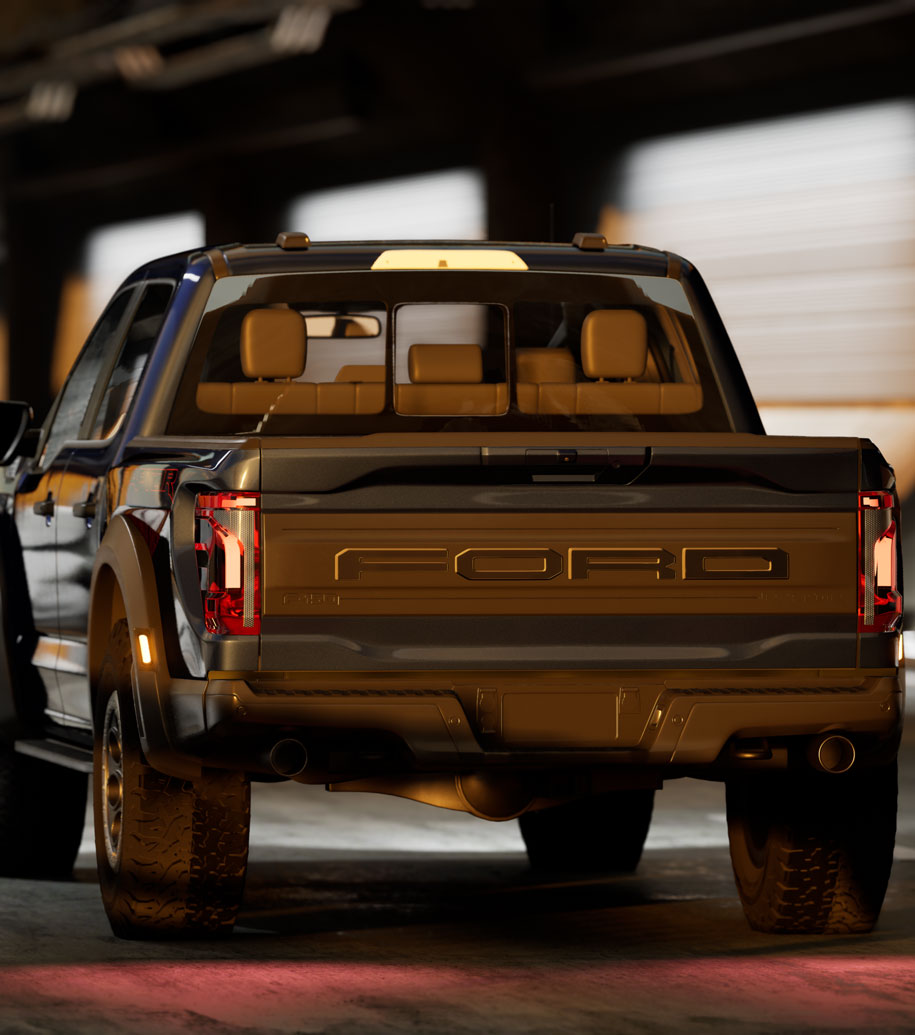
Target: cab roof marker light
point(589, 242)
point(449, 259)
point(293, 241)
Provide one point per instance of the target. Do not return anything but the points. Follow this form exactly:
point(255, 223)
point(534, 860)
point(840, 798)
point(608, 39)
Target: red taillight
point(879, 601)
point(227, 541)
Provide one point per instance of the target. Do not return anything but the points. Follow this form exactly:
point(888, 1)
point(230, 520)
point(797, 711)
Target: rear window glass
point(363, 352)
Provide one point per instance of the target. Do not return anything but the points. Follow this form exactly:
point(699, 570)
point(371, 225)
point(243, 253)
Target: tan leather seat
point(544, 365)
point(357, 388)
point(273, 346)
point(546, 380)
point(614, 344)
point(447, 380)
point(257, 397)
point(614, 351)
point(342, 397)
point(361, 372)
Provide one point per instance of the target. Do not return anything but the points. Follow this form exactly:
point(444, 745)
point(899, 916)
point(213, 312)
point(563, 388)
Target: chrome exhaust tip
point(832, 753)
point(288, 758)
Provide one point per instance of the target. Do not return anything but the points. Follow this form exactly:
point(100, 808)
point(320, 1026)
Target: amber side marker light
point(145, 651)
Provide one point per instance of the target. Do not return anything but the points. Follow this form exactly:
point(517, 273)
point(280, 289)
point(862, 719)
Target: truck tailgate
point(738, 572)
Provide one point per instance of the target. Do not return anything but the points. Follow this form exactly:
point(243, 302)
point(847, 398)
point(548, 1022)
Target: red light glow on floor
point(820, 992)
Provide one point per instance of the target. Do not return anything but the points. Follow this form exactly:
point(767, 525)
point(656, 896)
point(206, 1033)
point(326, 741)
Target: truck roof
point(589, 253)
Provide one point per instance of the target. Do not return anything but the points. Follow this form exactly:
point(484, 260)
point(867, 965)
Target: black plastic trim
point(425, 494)
point(558, 642)
point(877, 650)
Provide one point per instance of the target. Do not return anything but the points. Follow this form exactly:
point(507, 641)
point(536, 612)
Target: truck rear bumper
point(464, 721)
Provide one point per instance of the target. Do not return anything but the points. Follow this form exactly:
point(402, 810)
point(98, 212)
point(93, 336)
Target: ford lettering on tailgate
point(765, 562)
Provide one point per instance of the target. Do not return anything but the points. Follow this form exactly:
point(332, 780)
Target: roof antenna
point(552, 236)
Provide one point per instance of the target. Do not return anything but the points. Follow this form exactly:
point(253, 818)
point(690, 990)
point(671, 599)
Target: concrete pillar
point(243, 209)
point(42, 248)
point(542, 183)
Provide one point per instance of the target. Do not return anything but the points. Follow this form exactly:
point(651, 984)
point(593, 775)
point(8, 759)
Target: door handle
point(85, 509)
point(45, 507)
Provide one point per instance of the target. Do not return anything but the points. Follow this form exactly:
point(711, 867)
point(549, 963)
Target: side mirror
point(14, 419)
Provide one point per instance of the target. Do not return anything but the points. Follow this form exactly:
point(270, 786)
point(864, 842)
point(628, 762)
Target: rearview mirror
point(336, 325)
point(14, 419)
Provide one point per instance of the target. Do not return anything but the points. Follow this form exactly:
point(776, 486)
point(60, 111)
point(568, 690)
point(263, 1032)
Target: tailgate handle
point(561, 456)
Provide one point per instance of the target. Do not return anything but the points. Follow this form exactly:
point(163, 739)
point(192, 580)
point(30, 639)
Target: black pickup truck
point(494, 527)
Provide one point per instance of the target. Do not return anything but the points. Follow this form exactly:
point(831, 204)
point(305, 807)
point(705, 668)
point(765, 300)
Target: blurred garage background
point(771, 143)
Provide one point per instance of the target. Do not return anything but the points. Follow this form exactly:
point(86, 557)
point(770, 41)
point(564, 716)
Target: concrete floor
point(369, 914)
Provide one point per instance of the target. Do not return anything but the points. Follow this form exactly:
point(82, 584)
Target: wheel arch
point(124, 586)
point(107, 607)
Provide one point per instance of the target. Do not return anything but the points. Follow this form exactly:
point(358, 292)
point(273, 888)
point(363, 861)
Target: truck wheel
point(171, 853)
point(601, 834)
point(812, 855)
point(42, 812)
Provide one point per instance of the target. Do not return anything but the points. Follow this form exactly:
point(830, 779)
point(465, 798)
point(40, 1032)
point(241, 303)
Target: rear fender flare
point(124, 586)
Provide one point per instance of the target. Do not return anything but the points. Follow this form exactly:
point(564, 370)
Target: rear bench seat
point(356, 389)
point(273, 350)
point(614, 355)
point(448, 380)
point(546, 380)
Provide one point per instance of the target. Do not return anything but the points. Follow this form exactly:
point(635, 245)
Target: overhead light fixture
point(50, 101)
point(300, 28)
point(138, 61)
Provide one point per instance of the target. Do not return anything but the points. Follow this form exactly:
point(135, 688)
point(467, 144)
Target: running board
point(68, 755)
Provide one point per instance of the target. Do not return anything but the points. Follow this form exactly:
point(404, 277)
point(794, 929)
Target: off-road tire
point(604, 833)
point(179, 871)
point(42, 813)
point(812, 852)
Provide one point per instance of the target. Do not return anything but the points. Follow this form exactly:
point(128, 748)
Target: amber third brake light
point(227, 543)
point(879, 600)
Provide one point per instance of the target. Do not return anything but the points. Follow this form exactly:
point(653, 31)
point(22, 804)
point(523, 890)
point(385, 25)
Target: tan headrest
point(446, 364)
point(273, 343)
point(541, 366)
point(360, 372)
point(614, 343)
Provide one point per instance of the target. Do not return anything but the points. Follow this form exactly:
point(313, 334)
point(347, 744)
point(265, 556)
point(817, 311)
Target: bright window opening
point(449, 205)
point(804, 230)
point(111, 254)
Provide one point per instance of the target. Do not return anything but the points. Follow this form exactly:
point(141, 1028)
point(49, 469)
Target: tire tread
point(184, 844)
point(828, 850)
